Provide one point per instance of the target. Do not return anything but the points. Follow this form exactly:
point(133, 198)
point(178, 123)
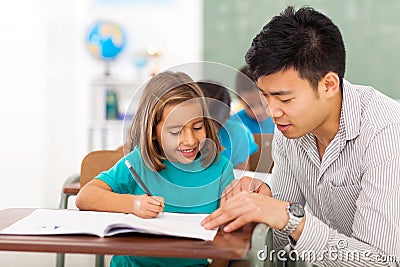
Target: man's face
point(296, 108)
point(254, 105)
point(181, 131)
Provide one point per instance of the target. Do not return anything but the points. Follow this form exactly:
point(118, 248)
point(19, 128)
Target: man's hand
point(246, 207)
point(247, 184)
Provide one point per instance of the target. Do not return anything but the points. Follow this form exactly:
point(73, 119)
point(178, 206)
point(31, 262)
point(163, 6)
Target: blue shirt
point(265, 126)
point(188, 188)
point(236, 133)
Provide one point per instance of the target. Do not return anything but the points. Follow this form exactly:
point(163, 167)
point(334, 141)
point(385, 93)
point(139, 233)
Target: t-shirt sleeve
point(227, 175)
point(243, 144)
point(119, 177)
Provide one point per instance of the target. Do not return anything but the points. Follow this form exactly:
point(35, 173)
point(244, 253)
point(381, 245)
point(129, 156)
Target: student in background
point(174, 149)
point(236, 139)
point(337, 149)
point(255, 114)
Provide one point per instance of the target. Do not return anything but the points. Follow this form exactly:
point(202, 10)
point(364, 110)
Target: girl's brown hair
point(164, 89)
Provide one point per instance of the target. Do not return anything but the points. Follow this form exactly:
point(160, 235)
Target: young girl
point(174, 149)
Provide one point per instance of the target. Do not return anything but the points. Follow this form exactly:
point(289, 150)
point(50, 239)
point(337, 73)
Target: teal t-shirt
point(186, 188)
point(237, 140)
point(265, 126)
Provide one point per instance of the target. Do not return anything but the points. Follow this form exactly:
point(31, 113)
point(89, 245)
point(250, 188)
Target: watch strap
point(292, 223)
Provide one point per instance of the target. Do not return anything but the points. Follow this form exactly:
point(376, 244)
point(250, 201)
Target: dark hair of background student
point(218, 101)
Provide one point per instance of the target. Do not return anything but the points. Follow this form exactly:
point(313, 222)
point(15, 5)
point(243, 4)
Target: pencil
point(140, 181)
point(137, 178)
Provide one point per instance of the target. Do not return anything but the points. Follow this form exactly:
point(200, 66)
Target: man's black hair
point(305, 40)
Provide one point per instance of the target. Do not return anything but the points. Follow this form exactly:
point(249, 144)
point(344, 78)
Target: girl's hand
point(146, 206)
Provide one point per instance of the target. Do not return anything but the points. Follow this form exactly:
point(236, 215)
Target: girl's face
point(181, 131)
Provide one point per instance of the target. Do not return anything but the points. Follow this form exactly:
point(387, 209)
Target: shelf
point(111, 98)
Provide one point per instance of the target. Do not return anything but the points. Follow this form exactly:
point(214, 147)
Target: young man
point(337, 149)
point(255, 114)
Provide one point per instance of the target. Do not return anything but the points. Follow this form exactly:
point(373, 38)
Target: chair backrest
point(261, 161)
point(98, 161)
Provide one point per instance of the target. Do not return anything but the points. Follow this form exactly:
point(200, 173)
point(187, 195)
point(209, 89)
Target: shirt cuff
point(314, 236)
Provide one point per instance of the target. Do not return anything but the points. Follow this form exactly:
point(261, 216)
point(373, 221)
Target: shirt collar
point(351, 111)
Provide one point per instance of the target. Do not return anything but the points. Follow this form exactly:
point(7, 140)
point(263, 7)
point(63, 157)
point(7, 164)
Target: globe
point(106, 40)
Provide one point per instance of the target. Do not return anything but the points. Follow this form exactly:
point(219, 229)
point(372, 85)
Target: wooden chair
point(92, 164)
point(261, 161)
point(98, 161)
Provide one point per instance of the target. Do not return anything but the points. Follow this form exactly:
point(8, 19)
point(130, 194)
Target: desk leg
point(60, 258)
point(99, 261)
point(261, 240)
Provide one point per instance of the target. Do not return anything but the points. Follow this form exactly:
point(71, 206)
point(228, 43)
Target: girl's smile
point(189, 153)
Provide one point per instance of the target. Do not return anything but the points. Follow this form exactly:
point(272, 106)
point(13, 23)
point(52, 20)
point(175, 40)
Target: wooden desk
point(72, 189)
point(242, 244)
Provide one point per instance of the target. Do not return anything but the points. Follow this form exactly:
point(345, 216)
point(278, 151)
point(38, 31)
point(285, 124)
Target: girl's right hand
point(146, 206)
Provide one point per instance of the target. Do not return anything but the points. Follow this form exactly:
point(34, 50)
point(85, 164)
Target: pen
point(137, 178)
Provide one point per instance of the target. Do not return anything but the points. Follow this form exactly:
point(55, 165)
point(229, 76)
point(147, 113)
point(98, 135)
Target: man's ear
point(331, 84)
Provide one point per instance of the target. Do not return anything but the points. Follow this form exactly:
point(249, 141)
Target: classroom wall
point(46, 75)
point(371, 32)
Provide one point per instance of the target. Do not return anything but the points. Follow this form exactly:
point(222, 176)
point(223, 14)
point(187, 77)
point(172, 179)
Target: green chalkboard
point(370, 28)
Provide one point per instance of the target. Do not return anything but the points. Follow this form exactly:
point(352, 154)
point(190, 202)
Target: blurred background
point(70, 67)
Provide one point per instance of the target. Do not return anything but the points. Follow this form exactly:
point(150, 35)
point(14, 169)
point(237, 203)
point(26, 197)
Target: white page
point(175, 224)
point(53, 222)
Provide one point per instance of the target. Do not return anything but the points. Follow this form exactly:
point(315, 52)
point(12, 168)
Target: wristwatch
point(296, 214)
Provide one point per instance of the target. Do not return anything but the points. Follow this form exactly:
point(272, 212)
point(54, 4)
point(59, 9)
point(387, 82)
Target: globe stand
point(107, 69)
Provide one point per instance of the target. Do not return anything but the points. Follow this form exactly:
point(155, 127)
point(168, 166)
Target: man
point(337, 149)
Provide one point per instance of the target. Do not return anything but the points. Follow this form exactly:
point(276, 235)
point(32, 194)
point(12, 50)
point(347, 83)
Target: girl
point(174, 149)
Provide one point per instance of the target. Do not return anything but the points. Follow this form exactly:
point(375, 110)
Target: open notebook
point(59, 222)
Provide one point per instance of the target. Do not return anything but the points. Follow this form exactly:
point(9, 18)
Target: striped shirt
point(353, 193)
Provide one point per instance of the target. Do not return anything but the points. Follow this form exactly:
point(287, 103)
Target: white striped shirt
point(354, 192)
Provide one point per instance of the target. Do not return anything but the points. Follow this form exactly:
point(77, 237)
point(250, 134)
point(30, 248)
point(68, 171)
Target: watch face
point(296, 209)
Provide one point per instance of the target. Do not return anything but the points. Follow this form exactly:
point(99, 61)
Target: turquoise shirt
point(236, 133)
point(265, 126)
point(186, 188)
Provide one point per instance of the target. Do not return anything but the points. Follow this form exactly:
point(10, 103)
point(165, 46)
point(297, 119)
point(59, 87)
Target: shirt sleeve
point(283, 183)
point(375, 239)
point(227, 176)
point(119, 177)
